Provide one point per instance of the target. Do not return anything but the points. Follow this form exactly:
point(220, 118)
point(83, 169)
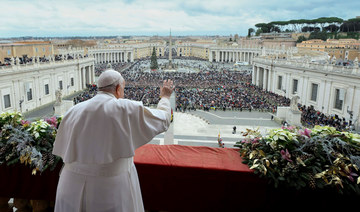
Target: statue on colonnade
point(356, 62)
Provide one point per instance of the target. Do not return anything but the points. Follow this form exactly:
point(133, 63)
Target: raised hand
point(167, 88)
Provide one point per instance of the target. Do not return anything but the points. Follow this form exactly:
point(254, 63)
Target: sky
point(48, 18)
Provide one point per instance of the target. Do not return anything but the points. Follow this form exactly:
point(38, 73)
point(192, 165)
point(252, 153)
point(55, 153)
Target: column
point(253, 80)
point(83, 81)
point(92, 74)
point(265, 80)
point(258, 76)
point(269, 81)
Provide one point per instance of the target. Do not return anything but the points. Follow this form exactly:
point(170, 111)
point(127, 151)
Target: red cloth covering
point(18, 182)
point(186, 178)
point(172, 178)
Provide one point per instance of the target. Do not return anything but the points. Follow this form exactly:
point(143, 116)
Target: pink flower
point(25, 122)
point(52, 121)
point(285, 155)
point(291, 128)
point(256, 140)
point(244, 141)
point(306, 132)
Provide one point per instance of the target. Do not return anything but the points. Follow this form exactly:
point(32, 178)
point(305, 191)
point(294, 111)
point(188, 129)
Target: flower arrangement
point(29, 143)
point(316, 158)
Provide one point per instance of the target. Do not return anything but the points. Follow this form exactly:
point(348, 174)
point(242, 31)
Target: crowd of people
point(101, 67)
point(311, 117)
point(214, 86)
point(29, 60)
point(90, 92)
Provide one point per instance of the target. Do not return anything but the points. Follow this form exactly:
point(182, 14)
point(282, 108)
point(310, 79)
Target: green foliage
point(28, 143)
point(250, 31)
point(334, 24)
point(154, 64)
point(258, 31)
point(319, 35)
point(301, 39)
point(302, 158)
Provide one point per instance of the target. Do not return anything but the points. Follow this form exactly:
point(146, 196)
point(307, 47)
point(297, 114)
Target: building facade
point(26, 49)
point(345, 49)
point(330, 89)
point(26, 87)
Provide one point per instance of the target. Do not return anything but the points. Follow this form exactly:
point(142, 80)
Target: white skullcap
point(108, 77)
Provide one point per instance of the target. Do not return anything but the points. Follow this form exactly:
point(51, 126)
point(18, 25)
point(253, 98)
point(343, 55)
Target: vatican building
point(35, 70)
point(181, 123)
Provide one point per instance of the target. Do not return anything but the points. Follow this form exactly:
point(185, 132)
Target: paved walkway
point(195, 129)
point(47, 110)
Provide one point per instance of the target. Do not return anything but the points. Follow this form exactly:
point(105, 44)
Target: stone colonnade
point(232, 56)
point(86, 76)
point(263, 77)
point(113, 57)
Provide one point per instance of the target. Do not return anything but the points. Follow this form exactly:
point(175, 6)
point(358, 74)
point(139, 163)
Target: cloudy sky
point(156, 17)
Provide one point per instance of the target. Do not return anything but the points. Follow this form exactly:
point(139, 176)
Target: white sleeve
point(151, 122)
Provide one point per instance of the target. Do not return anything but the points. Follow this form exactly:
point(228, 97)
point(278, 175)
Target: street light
point(20, 104)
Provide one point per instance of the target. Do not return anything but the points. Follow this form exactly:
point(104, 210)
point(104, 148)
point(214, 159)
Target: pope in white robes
point(97, 140)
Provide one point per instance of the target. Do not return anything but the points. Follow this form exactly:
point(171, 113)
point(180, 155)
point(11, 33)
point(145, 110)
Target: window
point(295, 86)
point(47, 89)
point(339, 99)
point(7, 102)
point(72, 81)
point(314, 89)
point(36, 50)
point(60, 85)
point(43, 49)
point(279, 82)
point(9, 52)
point(29, 94)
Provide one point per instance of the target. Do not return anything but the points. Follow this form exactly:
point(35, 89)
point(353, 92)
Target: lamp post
point(351, 113)
point(20, 104)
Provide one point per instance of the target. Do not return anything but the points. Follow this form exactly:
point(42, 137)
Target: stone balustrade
point(42, 65)
point(313, 66)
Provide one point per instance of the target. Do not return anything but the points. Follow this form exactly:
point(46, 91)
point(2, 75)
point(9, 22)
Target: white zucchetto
point(108, 77)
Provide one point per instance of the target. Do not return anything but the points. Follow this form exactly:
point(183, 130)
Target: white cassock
point(97, 140)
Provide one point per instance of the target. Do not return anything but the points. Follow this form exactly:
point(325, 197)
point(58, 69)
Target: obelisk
point(170, 52)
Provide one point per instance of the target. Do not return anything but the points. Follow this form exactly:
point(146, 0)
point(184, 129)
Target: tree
point(265, 28)
point(318, 35)
point(258, 31)
point(154, 64)
point(250, 32)
point(332, 28)
point(301, 39)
